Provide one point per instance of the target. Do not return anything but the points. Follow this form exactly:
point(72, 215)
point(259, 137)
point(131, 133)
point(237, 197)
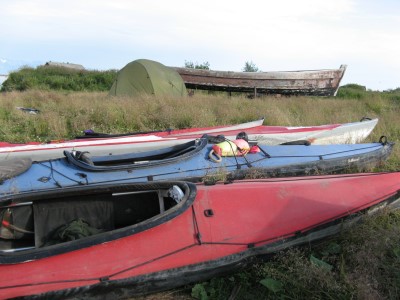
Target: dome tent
point(148, 77)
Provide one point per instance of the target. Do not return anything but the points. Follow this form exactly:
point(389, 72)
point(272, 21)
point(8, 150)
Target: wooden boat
point(193, 161)
point(103, 144)
point(312, 82)
point(148, 237)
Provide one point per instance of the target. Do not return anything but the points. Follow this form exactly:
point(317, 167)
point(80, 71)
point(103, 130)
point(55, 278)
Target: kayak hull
point(214, 229)
point(348, 133)
point(191, 162)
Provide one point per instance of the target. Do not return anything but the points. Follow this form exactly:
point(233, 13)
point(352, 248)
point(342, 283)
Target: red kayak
point(124, 240)
point(104, 144)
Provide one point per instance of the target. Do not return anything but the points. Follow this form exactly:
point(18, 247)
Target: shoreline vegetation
point(360, 263)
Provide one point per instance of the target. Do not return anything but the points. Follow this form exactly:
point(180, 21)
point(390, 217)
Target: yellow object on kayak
point(229, 148)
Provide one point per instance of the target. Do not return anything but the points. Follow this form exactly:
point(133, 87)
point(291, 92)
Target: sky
point(284, 35)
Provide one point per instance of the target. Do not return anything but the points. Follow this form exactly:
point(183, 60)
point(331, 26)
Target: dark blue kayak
point(190, 162)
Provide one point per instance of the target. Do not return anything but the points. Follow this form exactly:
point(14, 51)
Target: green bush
point(58, 78)
point(352, 91)
point(392, 94)
point(356, 91)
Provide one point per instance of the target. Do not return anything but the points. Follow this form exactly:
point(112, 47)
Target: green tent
point(147, 77)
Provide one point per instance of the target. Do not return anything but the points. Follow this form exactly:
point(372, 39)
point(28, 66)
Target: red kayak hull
point(225, 224)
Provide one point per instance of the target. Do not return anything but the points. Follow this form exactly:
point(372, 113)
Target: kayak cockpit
point(131, 160)
point(43, 224)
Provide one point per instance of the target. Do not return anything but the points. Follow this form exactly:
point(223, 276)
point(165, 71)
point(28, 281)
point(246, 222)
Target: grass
point(361, 263)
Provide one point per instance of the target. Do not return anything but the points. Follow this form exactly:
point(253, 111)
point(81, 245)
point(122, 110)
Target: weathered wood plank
point(313, 82)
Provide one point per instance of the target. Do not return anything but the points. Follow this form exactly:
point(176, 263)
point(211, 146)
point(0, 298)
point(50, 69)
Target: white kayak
point(347, 133)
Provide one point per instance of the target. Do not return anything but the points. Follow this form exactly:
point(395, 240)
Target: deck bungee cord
point(52, 171)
